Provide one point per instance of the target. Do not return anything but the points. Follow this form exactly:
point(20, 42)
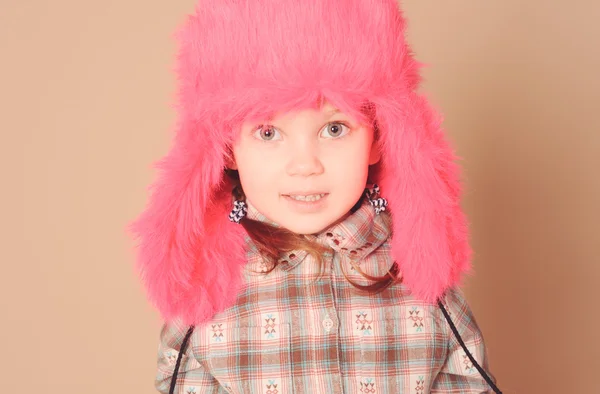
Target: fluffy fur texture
point(246, 59)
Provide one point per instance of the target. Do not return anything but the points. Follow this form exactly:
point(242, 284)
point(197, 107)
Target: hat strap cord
point(462, 343)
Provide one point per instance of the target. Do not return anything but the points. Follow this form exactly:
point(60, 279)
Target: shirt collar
point(356, 236)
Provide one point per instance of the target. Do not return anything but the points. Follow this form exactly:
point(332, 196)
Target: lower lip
point(307, 206)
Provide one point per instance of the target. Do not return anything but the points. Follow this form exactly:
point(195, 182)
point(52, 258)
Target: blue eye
point(336, 130)
point(266, 133)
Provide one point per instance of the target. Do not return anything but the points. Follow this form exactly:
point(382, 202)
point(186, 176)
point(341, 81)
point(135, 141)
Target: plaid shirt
point(291, 331)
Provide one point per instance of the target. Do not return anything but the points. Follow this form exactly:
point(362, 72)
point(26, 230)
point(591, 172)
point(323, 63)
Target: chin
point(307, 228)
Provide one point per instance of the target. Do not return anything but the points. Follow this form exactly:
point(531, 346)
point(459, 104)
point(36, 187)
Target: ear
point(230, 162)
point(375, 154)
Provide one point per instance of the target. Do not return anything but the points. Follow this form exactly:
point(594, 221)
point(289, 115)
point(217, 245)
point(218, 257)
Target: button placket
point(330, 318)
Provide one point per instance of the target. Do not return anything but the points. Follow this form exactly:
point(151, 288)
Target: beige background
point(85, 92)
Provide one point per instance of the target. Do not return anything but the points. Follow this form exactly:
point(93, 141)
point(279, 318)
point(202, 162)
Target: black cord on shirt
point(181, 352)
point(462, 343)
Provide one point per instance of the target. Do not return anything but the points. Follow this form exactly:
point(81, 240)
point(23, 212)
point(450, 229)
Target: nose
point(304, 161)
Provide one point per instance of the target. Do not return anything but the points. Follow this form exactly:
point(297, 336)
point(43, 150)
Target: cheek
point(348, 174)
point(352, 156)
point(257, 174)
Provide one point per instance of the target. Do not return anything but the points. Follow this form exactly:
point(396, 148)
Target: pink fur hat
point(246, 59)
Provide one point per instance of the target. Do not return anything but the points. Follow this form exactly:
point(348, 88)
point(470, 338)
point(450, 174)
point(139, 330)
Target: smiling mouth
point(306, 197)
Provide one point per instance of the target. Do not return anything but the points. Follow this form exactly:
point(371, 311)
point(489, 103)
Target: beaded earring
point(378, 202)
point(240, 208)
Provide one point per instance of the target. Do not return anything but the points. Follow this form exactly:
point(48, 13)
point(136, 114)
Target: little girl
point(306, 234)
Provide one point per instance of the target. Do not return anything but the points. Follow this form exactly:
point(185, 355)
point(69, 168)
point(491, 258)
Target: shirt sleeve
point(459, 375)
point(192, 378)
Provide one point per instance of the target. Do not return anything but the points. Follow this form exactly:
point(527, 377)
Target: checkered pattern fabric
point(295, 331)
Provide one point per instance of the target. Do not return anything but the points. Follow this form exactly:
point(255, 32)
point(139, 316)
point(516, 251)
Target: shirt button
point(327, 324)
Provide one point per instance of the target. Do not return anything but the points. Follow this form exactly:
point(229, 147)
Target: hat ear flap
point(421, 181)
point(189, 254)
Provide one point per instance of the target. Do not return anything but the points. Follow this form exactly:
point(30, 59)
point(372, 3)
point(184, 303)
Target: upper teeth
point(311, 197)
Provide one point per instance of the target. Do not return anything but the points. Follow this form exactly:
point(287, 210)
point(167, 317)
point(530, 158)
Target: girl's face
point(304, 170)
